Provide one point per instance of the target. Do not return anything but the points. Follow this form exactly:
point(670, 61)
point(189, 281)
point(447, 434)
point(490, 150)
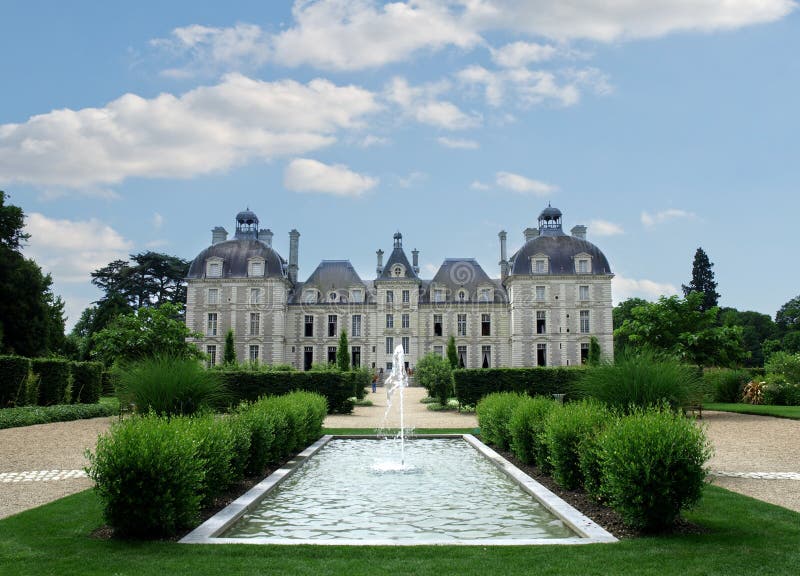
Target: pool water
point(354, 489)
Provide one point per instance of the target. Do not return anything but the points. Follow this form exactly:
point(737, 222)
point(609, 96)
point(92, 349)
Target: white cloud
point(71, 249)
point(650, 220)
point(208, 129)
point(605, 228)
point(371, 140)
point(241, 47)
point(158, 220)
point(422, 103)
point(605, 21)
point(623, 288)
point(458, 143)
point(478, 185)
point(520, 54)
point(523, 185)
point(358, 34)
point(306, 175)
point(411, 179)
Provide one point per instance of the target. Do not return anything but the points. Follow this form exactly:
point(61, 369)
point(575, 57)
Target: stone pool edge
point(588, 531)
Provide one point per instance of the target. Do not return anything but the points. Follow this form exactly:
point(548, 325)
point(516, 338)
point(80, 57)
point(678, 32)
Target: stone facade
point(552, 296)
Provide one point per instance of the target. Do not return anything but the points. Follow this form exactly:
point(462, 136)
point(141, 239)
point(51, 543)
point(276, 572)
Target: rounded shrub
point(527, 426)
point(494, 414)
point(725, 384)
point(564, 431)
point(653, 466)
point(435, 375)
point(215, 448)
point(149, 475)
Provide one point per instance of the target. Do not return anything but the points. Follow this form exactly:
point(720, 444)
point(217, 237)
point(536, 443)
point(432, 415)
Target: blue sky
point(661, 125)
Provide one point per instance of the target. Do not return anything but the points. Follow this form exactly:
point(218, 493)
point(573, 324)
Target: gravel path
point(754, 455)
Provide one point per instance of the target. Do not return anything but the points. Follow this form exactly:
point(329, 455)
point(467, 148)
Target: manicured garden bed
point(792, 412)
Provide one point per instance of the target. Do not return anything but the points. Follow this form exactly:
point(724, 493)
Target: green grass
point(744, 536)
point(792, 412)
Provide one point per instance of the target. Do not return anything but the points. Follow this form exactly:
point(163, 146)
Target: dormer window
point(540, 264)
point(310, 297)
point(332, 297)
point(398, 271)
point(214, 268)
point(438, 295)
point(485, 295)
point(462, 296)
point(583, 263)
point(256, 268)
point(358, 296)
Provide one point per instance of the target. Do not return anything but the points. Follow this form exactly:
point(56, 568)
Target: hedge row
point(473, 384)
point(648, 465)
point(154, 473)
point(48, 381)
point(30, 415)
point(338, 388)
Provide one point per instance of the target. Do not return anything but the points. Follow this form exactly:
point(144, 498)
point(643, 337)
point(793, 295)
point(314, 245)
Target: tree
point(452, 355)
point(151, 280)
point(31, 315)
point(757, 329)
point(144, 333)
point(788, 317)
point(434, 374)
point(703, 281)
point(678, 326)
point(229, 355)
point(620, 313)
point(594, 352)
point(342, 353)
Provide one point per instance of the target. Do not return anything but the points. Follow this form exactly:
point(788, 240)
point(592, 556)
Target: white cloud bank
point(422, 103)
point(208, 129)
point(523, 185)
point(623, 288)
point(651, 220)
point(605, 228)
point(307, 175)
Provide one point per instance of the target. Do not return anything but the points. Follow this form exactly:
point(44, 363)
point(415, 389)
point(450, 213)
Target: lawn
point(792, 412)
point(743, 536)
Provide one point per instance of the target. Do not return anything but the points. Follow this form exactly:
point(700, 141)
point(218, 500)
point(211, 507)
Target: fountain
point(397, 380)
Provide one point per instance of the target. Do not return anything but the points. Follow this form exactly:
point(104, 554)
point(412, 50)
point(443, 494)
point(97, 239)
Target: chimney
point(379, 269)
point(294, 245)
point(218, 234)
point(579, 231)
point(503, 259)
point(266, 237)
point(415, 260)
point(531, 233)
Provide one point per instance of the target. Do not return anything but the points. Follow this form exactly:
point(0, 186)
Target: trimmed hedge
point(473, 384)
point(87, 382)
point(494, 415)
point(54, 378)
point(13, 379)
point(527, 430)
point(337, 387)
point(30, 415)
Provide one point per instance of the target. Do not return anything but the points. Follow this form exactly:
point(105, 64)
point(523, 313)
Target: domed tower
point(243, 285)
point(559, 288)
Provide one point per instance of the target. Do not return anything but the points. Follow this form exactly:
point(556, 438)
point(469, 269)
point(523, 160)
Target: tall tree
point(452, 354)
point(703, 281)
point(342, 353)
point(229, 355)
point(757, 329)
point(788, 317)
point(31, 316)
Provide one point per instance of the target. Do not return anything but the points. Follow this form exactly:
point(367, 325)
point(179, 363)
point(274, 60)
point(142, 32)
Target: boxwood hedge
point(473, 384)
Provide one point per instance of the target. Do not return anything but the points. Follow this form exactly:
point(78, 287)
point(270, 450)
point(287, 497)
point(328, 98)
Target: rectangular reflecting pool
point(449, 490)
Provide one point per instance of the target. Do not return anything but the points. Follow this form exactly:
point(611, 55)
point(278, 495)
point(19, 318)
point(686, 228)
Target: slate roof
point(332, 276)
point(561, 251)
point(462, 273)
point(235, 254)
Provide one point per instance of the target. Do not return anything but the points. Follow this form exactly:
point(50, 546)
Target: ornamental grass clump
point(564, 431)
point(641, 379)
point(653, 466)
point(527, 429)
point(169, 386)
point(148, 473)
point(494, 414)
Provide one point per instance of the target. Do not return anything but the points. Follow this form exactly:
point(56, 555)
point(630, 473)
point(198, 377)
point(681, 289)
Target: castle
point(552, 296)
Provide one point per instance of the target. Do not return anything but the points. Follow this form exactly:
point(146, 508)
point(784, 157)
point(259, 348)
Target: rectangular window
point(256, 268)
point(485, 295)
point(583, 266)
point(308, 357)
point(541, 354)
point(462, 325)
point(405, 341)
point(439, 351)
point(332, 319)
point(331, 354)
point(389, 296)
point(211, 352)
point(255, 295)
point(358, 296)
point(462, 356)
point(541, 324)
point(406, 320)
point(254, 349)
point(540, 266)
point(437, 324)
point(355, 357)
point(390, 320)
point(540, 293)
point(214, 269)
point(356, 329)
point(255, 323)
point(309, 326)
point(211, 327)
point(584, 352)
point(389, 345)
point(406, 296)
point(486, 324)
point(486, 356)
point(583, 292)
point(584, 321)
point(438, 295)
point(213, 296)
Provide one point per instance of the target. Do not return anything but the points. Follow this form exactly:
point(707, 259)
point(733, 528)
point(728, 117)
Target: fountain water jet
point(397, 379)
